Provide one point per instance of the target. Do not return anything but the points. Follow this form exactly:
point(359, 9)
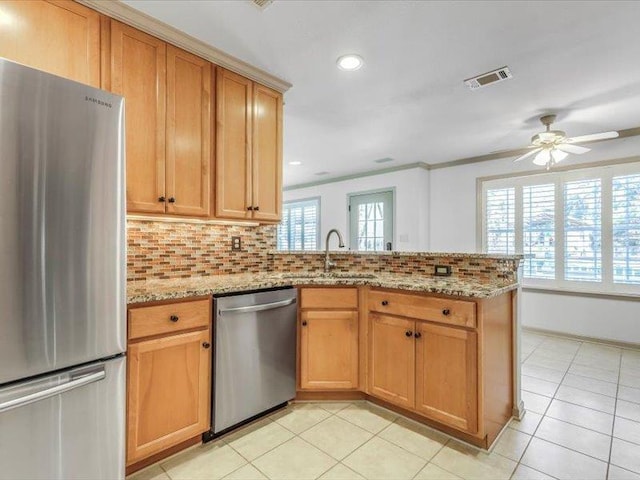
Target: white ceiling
point(576, 58)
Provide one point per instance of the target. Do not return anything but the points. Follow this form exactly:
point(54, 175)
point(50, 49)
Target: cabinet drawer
point(452, 312)
point(168, 318)
point(322, 298)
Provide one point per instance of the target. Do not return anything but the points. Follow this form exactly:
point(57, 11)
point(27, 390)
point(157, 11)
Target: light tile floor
point(582, 422)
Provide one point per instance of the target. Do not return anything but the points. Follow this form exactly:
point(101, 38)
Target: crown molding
point(129, 15)
point(368, 173)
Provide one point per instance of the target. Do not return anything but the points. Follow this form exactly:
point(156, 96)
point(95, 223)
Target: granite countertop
point(155, 290)
point(399, 253)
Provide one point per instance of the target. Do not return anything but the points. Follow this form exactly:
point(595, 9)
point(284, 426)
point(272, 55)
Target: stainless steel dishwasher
point(254, 359)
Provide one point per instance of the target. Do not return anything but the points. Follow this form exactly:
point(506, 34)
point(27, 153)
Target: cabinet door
point(392, 359)
point(188, 167)
point(168, 392)
point(446, 375)
point(233, 145)
point(59, 37)
point(329, 350)
point(267, 154)
point(138, 73)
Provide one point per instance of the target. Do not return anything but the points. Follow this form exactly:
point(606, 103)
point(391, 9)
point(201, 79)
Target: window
point(371, 221)
point(300, 225)
point(501, 221)
point(626, 229)
point(577, 229)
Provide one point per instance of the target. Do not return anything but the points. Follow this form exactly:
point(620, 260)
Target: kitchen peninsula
point(382, 327)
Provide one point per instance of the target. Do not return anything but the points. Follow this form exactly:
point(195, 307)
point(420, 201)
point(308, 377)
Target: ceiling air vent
point(479, 81)
point(262, 4)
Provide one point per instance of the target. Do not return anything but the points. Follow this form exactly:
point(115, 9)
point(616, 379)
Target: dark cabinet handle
point(304, 323)
point(408, 333)
point(417, 334)
point(256, 208)
point(385, 303)
point(174, 318)
point(249, 208)
point(446, 312)
point(206, 344)
point(161, 199)
point(172, 200)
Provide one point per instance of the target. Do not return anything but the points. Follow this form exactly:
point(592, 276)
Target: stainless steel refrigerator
point(62, 278)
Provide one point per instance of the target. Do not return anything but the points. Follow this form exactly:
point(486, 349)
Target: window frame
point(603, 171)
point(318, 202)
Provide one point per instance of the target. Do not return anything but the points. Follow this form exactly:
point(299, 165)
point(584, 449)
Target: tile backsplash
point(477, 266)
point(163, 250)
point(160, 250)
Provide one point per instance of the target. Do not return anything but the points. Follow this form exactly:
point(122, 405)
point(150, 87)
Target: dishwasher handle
point(258, 308)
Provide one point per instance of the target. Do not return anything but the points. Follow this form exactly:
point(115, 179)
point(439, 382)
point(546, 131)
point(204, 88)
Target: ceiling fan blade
point(568, 148)
point(527, 155)
point(593, 137)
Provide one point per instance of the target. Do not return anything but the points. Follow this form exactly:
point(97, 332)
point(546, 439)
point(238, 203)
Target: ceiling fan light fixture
point(558, 155)
point(542, 158)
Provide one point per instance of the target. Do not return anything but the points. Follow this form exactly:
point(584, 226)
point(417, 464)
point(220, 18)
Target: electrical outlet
point(236, 244)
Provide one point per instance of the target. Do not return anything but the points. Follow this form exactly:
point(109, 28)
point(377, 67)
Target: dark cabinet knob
point(417, 334)
point(446, 312)
point(206, 344)
point(161, 199)
point(174, 318)
point(408, 333)
point(249, 208)
point(172, 200)
point(385, 303)
point(256, 208)
point(304, 323)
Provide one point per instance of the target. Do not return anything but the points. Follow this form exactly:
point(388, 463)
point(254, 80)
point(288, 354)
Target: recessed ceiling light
point(350, 62)
point(295, 163)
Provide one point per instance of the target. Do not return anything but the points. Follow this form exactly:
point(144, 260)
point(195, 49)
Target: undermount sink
point(336, 275)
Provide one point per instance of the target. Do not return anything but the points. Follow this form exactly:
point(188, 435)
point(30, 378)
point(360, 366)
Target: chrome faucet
point(328, 263)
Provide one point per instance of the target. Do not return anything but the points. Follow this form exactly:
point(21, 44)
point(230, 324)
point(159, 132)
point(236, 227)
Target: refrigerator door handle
point(258, 308)
point(72, 384)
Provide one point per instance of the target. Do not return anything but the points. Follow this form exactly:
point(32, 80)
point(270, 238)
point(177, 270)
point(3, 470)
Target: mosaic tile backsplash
point(163, 250)
point(476, 266)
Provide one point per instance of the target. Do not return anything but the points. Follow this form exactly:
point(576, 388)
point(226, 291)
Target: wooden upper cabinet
point(248, 149)
point(59, 37)
point(392, 359)
point(138, 73)
point(168, 392)
point(446, 375)
point(329, 350)
point(267, 154)
point(188, 161)
point(233, 144)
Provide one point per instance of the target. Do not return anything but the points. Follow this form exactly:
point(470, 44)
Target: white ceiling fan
point(553, 146)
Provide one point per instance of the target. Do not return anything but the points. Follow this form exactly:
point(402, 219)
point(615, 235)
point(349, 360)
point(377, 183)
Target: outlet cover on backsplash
point(236, 244)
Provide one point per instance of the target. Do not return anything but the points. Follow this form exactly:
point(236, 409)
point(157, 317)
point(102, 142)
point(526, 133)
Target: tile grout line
point(615, 409)
point(542, 419)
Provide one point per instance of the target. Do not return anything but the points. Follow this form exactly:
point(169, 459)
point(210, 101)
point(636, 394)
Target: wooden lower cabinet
point(392, 359)
point(446, 375)
point(329, 350)
point(168, 385)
